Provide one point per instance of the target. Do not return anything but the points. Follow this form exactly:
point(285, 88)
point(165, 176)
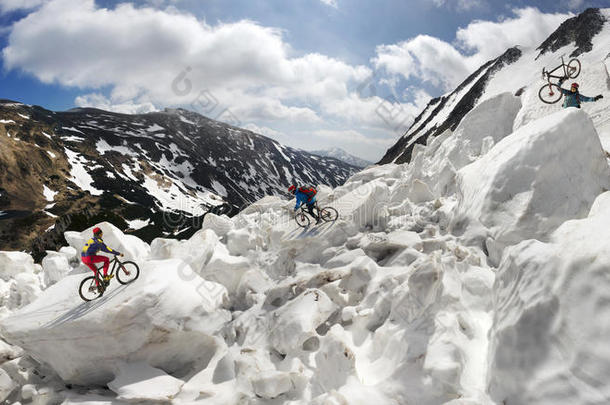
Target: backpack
point(310, 192)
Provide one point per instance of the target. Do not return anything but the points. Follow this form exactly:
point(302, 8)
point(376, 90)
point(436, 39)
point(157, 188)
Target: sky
point(312, 74)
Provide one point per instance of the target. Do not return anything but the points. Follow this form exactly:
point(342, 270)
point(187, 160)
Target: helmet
point(575, 84)
point(292, 188)
point(96, 230)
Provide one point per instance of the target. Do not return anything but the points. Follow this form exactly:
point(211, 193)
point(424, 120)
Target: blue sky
point(300, 71)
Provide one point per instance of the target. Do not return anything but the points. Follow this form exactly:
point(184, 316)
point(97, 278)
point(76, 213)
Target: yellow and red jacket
point(94, 245)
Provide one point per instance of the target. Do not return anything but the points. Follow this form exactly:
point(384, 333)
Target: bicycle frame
point(304, 210)
point(113, 266)
point(549, 74)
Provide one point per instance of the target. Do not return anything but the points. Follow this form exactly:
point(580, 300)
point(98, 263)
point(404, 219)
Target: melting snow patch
point(72, 138)
point(79, 174)
point(219, 188)
point(102, 147)
point(136, 224)
point(279, 149)
point(187, 121)
point(7, 122)
point(48, 193)
point(53, 155)
point(73, 129)
point(155, 128)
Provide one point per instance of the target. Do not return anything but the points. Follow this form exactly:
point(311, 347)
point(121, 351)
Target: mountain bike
point(327, 214)
point(550, 93)
point(126, 272)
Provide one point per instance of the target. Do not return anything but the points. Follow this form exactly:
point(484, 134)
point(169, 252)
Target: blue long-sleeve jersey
point(94, 245)
point(303, 198)
point(573, 99)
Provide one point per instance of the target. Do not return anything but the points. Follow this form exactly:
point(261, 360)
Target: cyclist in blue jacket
point(305, 195)
point(573, 98)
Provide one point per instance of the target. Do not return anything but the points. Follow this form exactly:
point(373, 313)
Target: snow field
point(476, 274)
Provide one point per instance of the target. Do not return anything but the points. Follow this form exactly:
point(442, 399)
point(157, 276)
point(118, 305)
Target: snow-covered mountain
point(475, 274)
point(66, 169)
point(343, 156)
point(517, 71)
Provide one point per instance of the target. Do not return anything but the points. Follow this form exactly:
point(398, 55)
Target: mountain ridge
point(447, 111)
point(122, 167)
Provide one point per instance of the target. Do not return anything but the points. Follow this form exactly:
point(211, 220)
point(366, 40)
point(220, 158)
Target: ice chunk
point(164, 318)
point(20, 281)
point(141, 382)
point(271, 384)
point(220, 224)
point(13, 263)
point(196, 251)
point(7, 385)
point(532, 181)
point(296, 322)
point(55, 266)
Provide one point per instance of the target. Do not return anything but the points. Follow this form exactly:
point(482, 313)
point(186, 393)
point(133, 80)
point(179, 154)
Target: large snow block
point(55, 266)
point(549, 340)
point(295, 323)
point(165, 318)
point(532, 181)
point(141, 382)
point(13, 263)
point(367, 205)
point(436, 165)
point(133, 247)
point(20, 281)
point(195, 251)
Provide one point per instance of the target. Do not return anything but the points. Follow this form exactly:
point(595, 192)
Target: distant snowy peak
point(516, 71)
point(340, 154)
point(579, 30)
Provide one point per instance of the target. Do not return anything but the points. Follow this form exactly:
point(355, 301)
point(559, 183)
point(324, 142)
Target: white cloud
point(444, 64)
point(12, 5)
point(140, 53)
point(332, 3)
point(97, 100)
point(424, 57)
point(528, 28)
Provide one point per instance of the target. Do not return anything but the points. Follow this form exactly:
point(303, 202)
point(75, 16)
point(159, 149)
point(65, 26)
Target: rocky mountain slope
point(155, 173)
point(515, 71)
point(343, 156)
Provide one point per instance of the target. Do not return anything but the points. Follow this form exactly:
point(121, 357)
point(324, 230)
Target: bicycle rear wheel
point(329, 214)
point(88, 290)
point(573, 68)
point(127, 272)
point(302, 219)
point(550, 93)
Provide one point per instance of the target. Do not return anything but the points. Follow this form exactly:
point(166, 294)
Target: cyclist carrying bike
point(89, 254)
point(305, 195)
point(572, 97)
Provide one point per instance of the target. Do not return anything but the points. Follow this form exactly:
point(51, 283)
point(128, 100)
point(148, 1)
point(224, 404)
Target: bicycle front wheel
point(127, 272)
point(88, 290)
point(302, 219)
point(573, 68)
point(329, 214)
point(550, 93)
